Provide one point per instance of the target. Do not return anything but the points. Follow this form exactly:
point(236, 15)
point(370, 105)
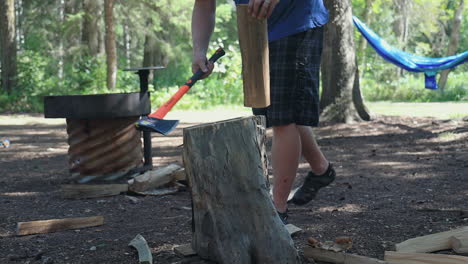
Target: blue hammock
point(408, 61)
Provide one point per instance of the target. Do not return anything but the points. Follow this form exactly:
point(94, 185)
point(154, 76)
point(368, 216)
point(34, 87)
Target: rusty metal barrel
point(102, 136)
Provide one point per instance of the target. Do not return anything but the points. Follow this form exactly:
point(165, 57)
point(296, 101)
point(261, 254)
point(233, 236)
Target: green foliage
point(410, 88)
point(33, 83)
point(44, 31)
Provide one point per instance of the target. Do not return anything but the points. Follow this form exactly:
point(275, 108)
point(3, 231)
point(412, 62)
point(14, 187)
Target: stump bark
point(234, 220)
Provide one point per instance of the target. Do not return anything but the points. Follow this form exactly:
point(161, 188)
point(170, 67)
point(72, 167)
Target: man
point(295, 36)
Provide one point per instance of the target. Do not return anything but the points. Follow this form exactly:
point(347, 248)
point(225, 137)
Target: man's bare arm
point(203, 22)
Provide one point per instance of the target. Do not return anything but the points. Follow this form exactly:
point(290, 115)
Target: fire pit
point(103, 140)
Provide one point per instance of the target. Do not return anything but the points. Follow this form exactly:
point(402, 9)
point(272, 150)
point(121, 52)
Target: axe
point(154, 122)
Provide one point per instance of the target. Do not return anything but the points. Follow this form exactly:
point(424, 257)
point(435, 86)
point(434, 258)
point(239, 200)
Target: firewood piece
point(153, 178)
point(159, 191)
point(144, 252)
point(55, 225)
point(185, 250)
point(319, 254)
point(393, 257)
point(459, 244)
point(81, 191)
point(430, 243)
point(292, 229)
point(180, 175)
point(234, 220)
point(253, 41)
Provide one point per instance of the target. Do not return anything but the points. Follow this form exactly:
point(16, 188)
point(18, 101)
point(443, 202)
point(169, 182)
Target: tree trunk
point(61, 52)
point(19, 24)
point(90, 32)
point(453, 45)
point(361, 108)
point(127, 44)
point(363, 42)
point(339, 67)
point(234, 219)
point(111, 53)
point(149, 52)
point(401, 25)
point(8, 45)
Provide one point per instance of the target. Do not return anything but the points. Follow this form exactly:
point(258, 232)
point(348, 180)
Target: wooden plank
point(55, 225)
point(81, 191)
point(393, 257)
point(253, 41)
point(459, 244)
point(153, 178)
point(324, 255)
point(144, 252)
point(185, 250)
point(430, 243)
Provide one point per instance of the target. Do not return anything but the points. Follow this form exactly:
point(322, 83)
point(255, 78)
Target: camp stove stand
point(103, 140)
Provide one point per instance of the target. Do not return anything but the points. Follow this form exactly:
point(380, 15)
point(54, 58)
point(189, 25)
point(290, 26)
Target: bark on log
point(253, 41)
point(234, 219)
point(144, 252)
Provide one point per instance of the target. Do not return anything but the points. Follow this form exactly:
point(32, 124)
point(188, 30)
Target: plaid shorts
point(294, 79)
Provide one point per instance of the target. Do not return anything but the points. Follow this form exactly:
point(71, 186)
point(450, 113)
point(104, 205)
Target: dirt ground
point(397, 178)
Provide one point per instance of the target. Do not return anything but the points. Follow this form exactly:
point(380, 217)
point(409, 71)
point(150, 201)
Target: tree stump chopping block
point(234, 220)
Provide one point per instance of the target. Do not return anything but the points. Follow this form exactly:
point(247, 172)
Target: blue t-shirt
point(294, 16)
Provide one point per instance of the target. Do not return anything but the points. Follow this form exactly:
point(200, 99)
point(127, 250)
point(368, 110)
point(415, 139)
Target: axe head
point(157, 125)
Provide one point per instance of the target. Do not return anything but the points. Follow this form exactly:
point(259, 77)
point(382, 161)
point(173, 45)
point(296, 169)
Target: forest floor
point(397, 178)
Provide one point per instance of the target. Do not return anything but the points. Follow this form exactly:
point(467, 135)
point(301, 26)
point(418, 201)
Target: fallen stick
point(81, 191)
point(393, 257)
point(153, 178)
point(55, 225)
point(459, 244)
point(430, 243)
point(318, 254)
point(144, 252)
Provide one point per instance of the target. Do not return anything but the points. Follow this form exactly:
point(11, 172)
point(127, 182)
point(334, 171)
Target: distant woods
point(81, 46)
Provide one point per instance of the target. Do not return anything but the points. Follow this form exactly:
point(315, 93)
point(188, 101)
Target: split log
point(81, 191)
point(430, 243)
point(234, 220)
point(153, 178)
point(253, 41)
point(459, 244)
point(144, 252)
point(55, 225)
point(393, 257)
point(318, 254)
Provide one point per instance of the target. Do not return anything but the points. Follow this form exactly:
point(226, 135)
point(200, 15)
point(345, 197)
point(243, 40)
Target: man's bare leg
point(322, 172)
point(311, 151)
point(286, 152)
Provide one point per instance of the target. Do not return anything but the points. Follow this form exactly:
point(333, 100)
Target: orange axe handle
point(166, 107)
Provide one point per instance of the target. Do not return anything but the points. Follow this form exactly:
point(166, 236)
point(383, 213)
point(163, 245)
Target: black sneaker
point(283, 217)
point(311, 186)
